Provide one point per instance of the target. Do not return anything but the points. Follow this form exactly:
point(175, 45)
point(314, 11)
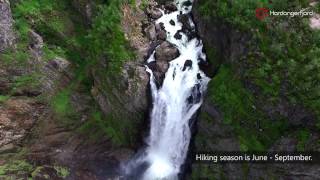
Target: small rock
point(187, 3)
point(154, 13)
point(198, 76)
point(162, 26)
point(188, 63)
point(162, 35)
point(36, 40)
point(184, 19)
point(170, 6)
point(172, 22)
point(178, 35)
point(158, 27)
point(59, 64)
point(151, 32)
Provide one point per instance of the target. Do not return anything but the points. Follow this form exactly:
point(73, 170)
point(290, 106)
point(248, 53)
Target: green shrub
point(107, 39)
point(303, 136)
point(15, 167)
point(3, 98)
point(63, 172)
point(98, 127)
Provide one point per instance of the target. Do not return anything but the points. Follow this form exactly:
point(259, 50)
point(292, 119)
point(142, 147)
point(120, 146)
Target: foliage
point(99, 126)
point(63, 172)
point(303, 136)
point(3, 98)
point(26, 81)
point(15, 167)
point(107, 39)
point(18, 55)
point(63, 108)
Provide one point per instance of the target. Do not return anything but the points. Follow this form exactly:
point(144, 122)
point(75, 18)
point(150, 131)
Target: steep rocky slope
point(250, 104)
point(63, 115)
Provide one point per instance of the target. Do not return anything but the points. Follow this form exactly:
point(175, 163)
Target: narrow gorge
point(133, 89)
point(176, 100)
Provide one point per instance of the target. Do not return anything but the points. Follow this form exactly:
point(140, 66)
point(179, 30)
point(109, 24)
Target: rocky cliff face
point(7, 36)
point(227, 47)
point(49, 118)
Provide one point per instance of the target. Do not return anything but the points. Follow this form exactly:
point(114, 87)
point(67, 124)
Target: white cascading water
point(175, 102)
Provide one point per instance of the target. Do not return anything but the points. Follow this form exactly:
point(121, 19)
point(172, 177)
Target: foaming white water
point(175, 102)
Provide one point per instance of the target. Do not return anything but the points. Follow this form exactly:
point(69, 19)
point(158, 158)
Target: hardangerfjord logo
point(262, 13)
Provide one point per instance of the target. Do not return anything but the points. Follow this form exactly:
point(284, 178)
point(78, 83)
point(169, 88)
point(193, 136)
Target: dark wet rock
point(151, 32)
point(178, 35)
point(163, 55)
point(198, 76)
point(158, 27)
point(166, 52)
point(159, 69)
point(154, 13)
point(187, 3)
point(7, 36)
point(172, 22)
point(162, 25)
point(162, 35)
point(187, 64)
point(162, 2)
point(151, 48)
point(162, 67)
point(184, 19)
point(170, 6)
point(207, 68)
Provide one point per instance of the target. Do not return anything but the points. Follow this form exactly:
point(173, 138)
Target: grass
point(303, 136)
point(3, 98)
point(15, 167)
point(17, 56)
point(63, 108)
point(98, 126)
point(62, 172)
point(107, 40)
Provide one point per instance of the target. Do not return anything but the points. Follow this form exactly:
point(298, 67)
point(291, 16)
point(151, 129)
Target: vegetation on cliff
point(66, 35)
point(281, 62)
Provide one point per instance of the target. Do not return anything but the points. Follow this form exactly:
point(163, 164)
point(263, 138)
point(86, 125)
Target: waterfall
point(175, 102)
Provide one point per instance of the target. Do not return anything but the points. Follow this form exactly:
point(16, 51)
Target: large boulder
point(7, 37)
point(166, 52)
point(150, 32)
point(170, 6)
point(154, 13)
